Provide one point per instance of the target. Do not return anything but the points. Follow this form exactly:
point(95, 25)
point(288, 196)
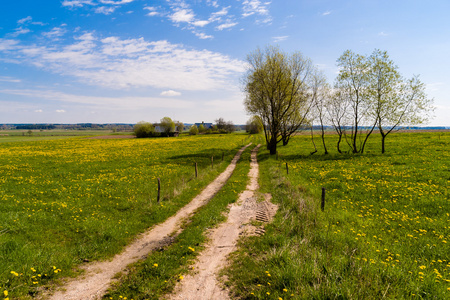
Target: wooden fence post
point(159, 190)
point(322, 205)
point(287, 169)
point(196, 171)
point(212, 159)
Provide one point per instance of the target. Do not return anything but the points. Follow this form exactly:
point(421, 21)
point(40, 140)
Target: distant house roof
point(206, 125)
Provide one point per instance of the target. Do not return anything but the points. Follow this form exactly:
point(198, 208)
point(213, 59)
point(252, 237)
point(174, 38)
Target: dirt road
point(99, 275)
point(204, 283)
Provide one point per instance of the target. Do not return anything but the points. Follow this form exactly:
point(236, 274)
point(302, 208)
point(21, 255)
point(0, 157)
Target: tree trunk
point(383, 137)
point(323, 141)
point(272, 145)
point(339, 143)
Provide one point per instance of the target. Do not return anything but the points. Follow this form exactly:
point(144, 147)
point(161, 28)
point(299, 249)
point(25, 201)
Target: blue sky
point(102, 61)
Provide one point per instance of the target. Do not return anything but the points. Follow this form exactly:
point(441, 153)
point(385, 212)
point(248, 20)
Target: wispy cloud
point(256, 7)
point(20, 31)
point(122, 103)
point(39, 110)
point(76, 3)
point(55, 33)
point(226, 25)
point(25, 20)
point(277, 39)
point(106, 10)
point(9, 79)
point(153, 11)
point(383, 33)
point(327, 13)
point(60, 111)
point(120, 63)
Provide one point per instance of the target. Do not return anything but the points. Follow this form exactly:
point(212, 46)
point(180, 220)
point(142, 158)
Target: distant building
point(206, 125)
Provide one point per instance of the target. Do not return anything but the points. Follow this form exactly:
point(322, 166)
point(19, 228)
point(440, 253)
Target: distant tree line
point(287, 93)
point(167, 128)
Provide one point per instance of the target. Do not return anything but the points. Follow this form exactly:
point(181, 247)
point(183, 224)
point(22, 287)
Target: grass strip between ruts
point(159, 273)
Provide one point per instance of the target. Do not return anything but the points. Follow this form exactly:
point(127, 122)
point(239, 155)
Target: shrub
point(143, 129)
point(193, 130)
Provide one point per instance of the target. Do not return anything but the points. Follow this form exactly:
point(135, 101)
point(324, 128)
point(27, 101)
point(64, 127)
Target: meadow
point(74, 200)
point(384, 233)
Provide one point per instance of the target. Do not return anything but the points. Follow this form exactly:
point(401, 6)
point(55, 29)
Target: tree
point(201, 128)
point(254, 125)
point(336, 109)
point(220, 124)
point(395, 101)
point(353, 83)
point(167, 125)
point(321, 95)
point(276, 90)
point(143, 129)
point(179, 126)
point(193, 130)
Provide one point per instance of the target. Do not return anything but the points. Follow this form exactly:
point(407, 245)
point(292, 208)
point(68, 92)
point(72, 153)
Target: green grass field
point(73, 200)
point(384, 232)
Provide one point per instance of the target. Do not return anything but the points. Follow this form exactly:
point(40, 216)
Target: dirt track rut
point(99, 275)
point(204, 283)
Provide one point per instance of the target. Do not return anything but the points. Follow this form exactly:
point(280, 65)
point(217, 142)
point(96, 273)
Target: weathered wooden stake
point(212, 159)
point(322, 205)
point(196, 171)
point(159, 190)
point(287, 169)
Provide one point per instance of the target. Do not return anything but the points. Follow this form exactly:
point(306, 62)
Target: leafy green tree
point(143, 129)
point(276, 89)
point(179, 126)
point(193, 130)
point(201, 128)
point(167, 125)
point(353, 84)
point(395, 101)
point(254, 125)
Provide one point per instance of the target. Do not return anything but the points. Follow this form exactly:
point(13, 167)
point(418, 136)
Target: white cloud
point(256, 7)
point(117, 2)
point(277, 39)
point(24, 20)
point(60, 111)
point(118, 103)
point(216, 16)
point(8, 44)
point(105, 10)
point(120, 64)
point(226, 25)
point(170, 93)
point(202, 35)
point(55, 33)
point(38, 110)
point(76, 3)
point(20, 31)
point(152, 11)
point(9, 79)
point(182, 15)
point(200, 23)
point(328, 12)
point(383, 34)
